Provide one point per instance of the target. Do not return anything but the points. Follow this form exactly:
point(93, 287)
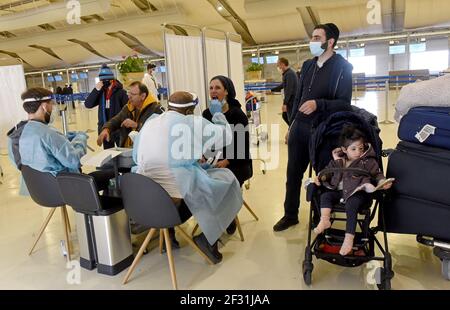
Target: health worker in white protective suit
point(168, 150)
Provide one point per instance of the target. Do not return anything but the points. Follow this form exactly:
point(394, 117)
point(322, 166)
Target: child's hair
point(350, 134)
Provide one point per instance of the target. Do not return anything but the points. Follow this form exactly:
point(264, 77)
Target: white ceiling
point(267, 21)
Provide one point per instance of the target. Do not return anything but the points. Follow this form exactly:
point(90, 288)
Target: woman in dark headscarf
point(237, 156)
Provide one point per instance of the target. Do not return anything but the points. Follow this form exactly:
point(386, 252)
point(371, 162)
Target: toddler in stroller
point(349, 188)
point(354, 137)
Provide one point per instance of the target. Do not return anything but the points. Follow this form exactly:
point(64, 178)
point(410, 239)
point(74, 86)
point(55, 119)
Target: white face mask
point(279, 70)
point(316, 48)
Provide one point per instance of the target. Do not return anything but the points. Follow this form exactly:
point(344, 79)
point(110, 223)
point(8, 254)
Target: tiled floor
point(265, 260)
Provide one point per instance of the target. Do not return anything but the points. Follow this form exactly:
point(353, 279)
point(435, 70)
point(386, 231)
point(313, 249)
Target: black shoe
point(212, 251)
point(285, 223)
point(232, 227)
point(173, 242)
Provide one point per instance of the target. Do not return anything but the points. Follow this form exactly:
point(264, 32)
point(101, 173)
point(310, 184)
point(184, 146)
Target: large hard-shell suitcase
point(426, 125)
point(419, 202)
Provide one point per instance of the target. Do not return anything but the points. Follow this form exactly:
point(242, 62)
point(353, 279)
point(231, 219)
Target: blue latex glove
point(205, 166)
point(215, 106)
point(71, 134)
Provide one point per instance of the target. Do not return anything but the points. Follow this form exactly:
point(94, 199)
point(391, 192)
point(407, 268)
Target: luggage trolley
point(441, 249)
point(253, 108)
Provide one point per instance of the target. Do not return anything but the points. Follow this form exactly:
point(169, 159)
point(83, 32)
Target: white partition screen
point(12, 83)
point(237, 71)
point(216, 57)
point(185, 65)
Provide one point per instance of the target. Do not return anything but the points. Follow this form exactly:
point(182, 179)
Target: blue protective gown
point(43, 148)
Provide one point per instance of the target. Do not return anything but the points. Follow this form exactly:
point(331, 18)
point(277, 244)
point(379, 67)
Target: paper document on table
point(124, 151)
point(99, 159)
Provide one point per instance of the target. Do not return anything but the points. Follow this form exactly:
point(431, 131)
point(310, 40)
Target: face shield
point(198, 110)
point(43, 101)
point(192, 105)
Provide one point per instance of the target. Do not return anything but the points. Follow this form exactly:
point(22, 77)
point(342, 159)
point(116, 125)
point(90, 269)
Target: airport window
point(434, 61)
point(357, 52)
point(397, 49)
point(417, 48)
point(343, 53)
point(255, 60)
point(271, 59)
point(364, 64)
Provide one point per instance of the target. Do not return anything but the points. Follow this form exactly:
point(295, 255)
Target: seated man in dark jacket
point(110, 97)
point(140, 107)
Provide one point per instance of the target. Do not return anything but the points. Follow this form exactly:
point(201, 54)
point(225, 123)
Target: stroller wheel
point(388, 272)
point(385, 281)
point(385, 286)
point(446, 269)
point(307, 272)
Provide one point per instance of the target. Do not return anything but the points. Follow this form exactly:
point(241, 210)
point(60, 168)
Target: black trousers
point(353, 204)
point(185, 214)
point(285, 115)
point(184, 211)
point(298, 160)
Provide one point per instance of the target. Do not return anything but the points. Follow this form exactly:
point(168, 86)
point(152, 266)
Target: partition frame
point(203, 31)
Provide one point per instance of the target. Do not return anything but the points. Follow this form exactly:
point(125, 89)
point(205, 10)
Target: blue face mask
point(316, 48)
point(215, 106)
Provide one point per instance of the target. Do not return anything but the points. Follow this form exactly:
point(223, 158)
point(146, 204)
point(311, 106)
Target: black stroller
point(326, 245)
